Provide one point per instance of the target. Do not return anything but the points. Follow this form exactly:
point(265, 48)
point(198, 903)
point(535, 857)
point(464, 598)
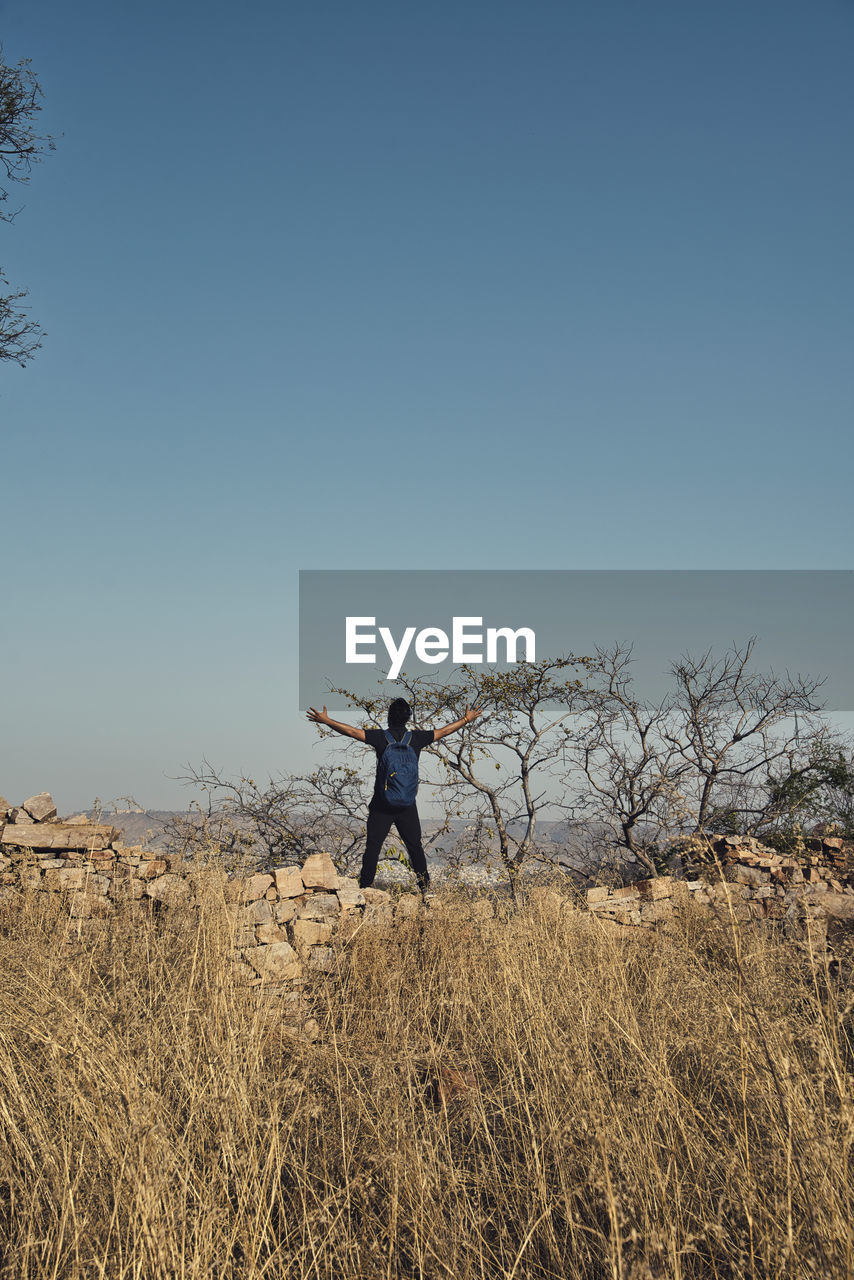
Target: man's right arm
point(349, 730)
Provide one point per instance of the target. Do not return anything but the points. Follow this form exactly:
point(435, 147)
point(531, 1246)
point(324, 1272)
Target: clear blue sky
point(570, 284)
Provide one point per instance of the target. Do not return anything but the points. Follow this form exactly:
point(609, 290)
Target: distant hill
point(143, 827)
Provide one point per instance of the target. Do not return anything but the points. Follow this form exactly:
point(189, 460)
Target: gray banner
point(360, 628)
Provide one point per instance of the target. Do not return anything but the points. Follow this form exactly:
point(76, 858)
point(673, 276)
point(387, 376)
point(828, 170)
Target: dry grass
point(489, 1098)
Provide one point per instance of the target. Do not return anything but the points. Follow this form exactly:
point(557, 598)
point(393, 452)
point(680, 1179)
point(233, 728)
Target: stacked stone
point(286, 919)
point(643, 904)
point(826, 858)
point(757, 883)
point(830, 850)
point(81, 859)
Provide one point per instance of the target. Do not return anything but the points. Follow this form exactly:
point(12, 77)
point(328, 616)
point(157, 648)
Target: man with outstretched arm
point(381, 814)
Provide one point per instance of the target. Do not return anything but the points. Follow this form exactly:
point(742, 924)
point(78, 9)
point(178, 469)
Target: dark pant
point(409, 829)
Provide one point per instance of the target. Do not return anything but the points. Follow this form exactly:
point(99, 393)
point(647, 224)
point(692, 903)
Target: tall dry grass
point(518, 1097)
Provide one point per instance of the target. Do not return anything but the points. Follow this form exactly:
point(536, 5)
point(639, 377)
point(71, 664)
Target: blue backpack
point(399, 771)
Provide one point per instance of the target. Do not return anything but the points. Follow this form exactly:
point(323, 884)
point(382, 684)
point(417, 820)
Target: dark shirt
point(376, 738)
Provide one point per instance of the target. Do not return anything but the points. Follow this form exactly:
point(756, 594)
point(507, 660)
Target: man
point(381, 815)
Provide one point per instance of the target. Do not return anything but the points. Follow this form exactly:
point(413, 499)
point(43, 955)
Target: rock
point(378, 905)
point(319, 872)
point(319, 906)
point(321, 959)
point(289, 882)
point(839, 906)
point(65, 878)
point(285, 911)
point(242, 973)
point(659, 888)
point(154, 867)
point(752, 876)
point(4, 808)
point(40, 807)
point(376, 897)
point(258, 886)
point(270, 933)
point(58, 835)
point(275, 962)
point(170, 889)
point(310, 932)
point(258, 912)
point(77, 819)
point(599, 894)
point(18, 815)
point(408, 906)
point(350, 895)
point(85, 905)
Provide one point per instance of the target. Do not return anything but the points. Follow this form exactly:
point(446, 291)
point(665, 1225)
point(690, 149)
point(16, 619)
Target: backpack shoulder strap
point(406, 739)
point(389, 736)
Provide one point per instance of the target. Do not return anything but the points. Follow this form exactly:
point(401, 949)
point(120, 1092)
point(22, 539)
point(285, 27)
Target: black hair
point(398, 713)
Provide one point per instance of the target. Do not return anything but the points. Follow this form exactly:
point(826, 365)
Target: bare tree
point(733, 726)
point(276, 823)
point(21, 146)
point(632, 773)
point(702, 759)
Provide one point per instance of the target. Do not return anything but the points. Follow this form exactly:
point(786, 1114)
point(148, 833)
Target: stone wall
point(286, 921)
point(740, 876)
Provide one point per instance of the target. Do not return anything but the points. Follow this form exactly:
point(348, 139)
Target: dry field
point(517, 1097)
